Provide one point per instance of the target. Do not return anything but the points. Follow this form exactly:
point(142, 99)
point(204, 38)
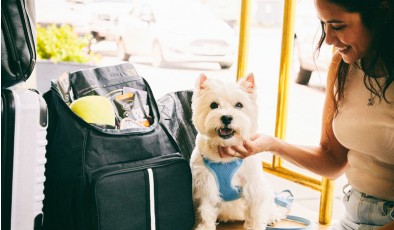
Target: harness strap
point(306, 222)
point(224, 172)
point(284, 198)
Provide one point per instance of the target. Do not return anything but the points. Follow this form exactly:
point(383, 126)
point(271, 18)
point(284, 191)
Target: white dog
point(228, 189)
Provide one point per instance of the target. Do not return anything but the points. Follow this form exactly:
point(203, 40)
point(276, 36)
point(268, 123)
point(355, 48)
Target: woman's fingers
point(240, 151)
point(225, 151)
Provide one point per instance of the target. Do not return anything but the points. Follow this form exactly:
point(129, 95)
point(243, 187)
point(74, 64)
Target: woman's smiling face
point(344, 30)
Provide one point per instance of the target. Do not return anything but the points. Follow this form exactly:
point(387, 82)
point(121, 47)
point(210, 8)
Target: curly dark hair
point(378, 17)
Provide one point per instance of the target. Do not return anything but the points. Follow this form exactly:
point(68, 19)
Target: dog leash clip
point(284, 199)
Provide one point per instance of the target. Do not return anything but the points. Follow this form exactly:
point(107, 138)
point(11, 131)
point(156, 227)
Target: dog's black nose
point(226, 119)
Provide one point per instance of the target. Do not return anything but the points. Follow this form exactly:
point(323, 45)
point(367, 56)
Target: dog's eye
point(214, 105)
point(239, 105)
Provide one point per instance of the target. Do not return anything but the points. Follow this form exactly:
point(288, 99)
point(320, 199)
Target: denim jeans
point(364, 212)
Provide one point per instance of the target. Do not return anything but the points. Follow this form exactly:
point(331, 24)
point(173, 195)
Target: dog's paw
point(278, 215)
point(273, 221)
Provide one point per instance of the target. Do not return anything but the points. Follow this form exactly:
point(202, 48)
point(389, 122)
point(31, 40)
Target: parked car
point(176, 31)
point(268, 13)
point(104, 16)
point(61, 12)
point(307, 35)
point(228, 10)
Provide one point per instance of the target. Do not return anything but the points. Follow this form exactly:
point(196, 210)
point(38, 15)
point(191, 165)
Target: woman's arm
point(329, 158)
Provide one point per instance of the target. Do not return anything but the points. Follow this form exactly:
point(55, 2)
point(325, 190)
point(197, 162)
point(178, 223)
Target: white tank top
point(368, 133)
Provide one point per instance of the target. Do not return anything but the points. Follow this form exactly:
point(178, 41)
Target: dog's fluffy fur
point(212, 100)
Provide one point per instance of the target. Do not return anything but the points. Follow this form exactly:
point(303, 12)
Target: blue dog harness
point(224, 172)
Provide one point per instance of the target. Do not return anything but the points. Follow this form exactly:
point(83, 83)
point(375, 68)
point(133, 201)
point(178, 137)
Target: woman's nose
point(330, 36)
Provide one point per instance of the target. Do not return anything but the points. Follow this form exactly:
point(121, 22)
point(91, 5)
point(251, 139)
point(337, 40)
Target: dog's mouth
point(225, 133)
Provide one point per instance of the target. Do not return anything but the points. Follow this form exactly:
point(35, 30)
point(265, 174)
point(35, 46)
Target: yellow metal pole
point(244, 34)
point(284, 73)
point(285, 67)
point(326, 201)
point(296, 177)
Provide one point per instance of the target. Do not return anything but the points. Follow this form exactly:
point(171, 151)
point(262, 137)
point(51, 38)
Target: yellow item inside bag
point(94, 109)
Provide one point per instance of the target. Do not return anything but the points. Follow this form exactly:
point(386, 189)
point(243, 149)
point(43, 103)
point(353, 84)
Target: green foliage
point(62, 43)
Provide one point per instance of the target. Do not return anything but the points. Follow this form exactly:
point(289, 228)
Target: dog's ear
point(201, 80)
point(248, 83)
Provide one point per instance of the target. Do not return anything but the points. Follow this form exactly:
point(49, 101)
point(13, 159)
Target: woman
point(357, 135)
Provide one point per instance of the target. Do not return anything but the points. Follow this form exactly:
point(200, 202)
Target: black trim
point(147, 198)
point(7, 155)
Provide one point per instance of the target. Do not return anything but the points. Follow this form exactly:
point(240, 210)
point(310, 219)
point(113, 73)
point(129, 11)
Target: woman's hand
point(258, 143)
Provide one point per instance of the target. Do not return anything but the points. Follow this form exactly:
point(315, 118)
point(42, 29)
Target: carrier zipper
point(144, 165)
point(89, 90)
